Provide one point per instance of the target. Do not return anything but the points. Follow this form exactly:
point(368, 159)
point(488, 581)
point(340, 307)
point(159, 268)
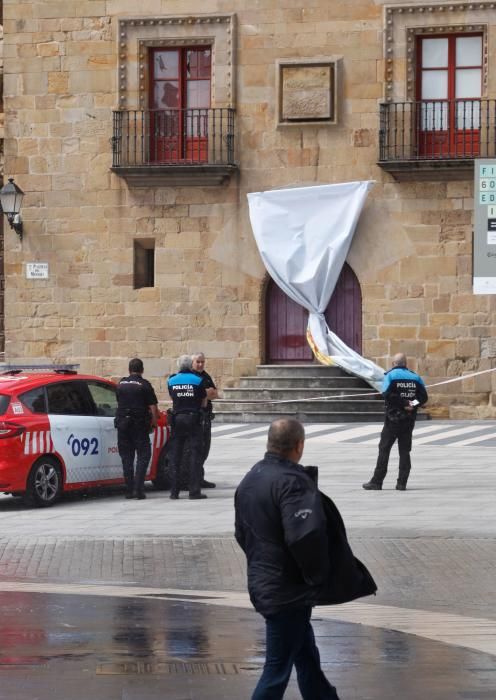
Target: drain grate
point(194, 668)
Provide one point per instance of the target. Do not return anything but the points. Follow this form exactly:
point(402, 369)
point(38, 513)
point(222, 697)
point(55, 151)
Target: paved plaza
point(147, 599)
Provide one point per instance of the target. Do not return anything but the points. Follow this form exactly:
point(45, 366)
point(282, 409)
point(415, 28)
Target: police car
point(57, 433)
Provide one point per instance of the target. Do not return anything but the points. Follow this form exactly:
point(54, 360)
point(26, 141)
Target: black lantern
point(10, 201)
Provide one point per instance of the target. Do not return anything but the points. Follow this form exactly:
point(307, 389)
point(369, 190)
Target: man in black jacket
point(404, 392)
point(137, 414)
point(282, 528)
point(207, 414)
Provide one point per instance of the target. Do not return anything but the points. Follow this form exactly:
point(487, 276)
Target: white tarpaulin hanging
point(303, 235)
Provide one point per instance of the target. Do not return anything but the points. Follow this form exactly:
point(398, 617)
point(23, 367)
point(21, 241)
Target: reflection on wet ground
point(73, 647)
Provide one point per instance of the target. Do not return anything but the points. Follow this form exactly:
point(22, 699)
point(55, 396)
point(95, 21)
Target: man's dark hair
point(136, 366)
point(284, 434)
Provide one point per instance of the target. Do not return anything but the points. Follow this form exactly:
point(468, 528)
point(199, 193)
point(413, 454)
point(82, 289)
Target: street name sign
point(484, 253)
point(37, 271)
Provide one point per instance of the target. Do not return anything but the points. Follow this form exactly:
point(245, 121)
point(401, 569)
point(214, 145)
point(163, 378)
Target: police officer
point(198, 362)
point(404, 392)
point(137, 414)
point(189, 396)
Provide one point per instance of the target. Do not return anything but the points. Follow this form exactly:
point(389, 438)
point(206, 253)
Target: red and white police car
point(57, 433)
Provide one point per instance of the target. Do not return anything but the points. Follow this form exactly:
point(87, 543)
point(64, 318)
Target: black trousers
point(206, 422)
point(187, 442)
point(402, 432)
point(290, 642)
point(134, 441)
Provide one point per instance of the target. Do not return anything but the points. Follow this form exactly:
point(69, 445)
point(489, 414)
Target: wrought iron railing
point(437, 130)
point(145, 137)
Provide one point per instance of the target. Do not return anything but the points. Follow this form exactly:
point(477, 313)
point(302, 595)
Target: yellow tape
point(323, 359)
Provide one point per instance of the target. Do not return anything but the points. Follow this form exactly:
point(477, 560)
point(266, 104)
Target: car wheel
point(44, 485)
point(162, 481)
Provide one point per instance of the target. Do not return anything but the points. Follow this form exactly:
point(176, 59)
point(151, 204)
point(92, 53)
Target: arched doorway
point(286, 321)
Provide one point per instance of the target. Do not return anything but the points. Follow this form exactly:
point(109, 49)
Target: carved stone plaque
point(306, 92)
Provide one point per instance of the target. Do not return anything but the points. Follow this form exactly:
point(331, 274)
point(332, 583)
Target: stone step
point(299, 371)
point(281, 393)
point(308, 416)
point(345, 405)
point(252, 401)
point(308, 382)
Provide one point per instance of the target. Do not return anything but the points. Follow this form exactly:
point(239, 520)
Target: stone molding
point(401, 26)
point(136, 34)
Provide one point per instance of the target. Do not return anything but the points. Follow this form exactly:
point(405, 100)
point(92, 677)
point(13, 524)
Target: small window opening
point(144, 263)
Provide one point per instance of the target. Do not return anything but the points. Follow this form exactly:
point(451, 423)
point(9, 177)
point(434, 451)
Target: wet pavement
point(110, 648)
point(106, 598)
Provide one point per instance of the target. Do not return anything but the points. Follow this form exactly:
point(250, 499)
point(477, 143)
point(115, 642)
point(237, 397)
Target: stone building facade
point(153, 254)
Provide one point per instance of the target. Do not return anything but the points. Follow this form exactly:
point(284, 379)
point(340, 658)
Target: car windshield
point(4, 403)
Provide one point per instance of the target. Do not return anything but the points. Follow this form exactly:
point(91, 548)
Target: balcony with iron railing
point(174, 146)
point(436, 137)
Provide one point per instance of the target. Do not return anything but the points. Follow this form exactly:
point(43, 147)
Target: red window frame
point(180, 134)
point(449, 140)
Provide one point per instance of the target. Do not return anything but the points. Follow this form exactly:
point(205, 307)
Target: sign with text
point(484, 253)
point(37, 271)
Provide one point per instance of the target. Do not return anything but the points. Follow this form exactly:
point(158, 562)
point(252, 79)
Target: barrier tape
point(351, 396)
point(354, 396)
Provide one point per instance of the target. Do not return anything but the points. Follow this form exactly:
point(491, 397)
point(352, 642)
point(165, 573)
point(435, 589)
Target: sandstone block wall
point(411, 252)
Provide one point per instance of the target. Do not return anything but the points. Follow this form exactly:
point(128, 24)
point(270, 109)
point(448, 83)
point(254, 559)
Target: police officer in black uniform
point(137, 414)
point(189, 396)
point(207, 414)
point(404, 392)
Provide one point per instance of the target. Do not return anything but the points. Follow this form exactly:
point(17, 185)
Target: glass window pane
point(468, 114)
point(166, 64)
point(434, 116)
point(192, 64)
point(198, 94)
point(104, 397)
point(435, 85)
point(468, 82)
point(166, 95)
point(468, 51)
point(205, 63)
point(67, 399)
point(4, 403)
point(197, 123)
point(35, 400)
point(435, 53)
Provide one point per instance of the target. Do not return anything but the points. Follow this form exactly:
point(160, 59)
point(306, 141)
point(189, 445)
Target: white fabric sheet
point(303, 235)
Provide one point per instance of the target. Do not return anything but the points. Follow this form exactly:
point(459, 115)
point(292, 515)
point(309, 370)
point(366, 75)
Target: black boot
point(207, 484)
point(372, 486)
point(139, 482)
point(129, 486)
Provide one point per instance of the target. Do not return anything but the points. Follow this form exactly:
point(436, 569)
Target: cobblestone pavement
point(428, 573)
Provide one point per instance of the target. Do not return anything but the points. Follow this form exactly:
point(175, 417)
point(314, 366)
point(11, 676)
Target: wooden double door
point(449, 90)
point(286, 321)
point(179, 100)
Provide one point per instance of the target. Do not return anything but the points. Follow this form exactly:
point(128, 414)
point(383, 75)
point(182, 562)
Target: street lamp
point(10, 201)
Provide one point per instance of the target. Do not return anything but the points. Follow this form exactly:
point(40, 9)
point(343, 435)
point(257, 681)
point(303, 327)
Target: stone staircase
point(298, 382)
